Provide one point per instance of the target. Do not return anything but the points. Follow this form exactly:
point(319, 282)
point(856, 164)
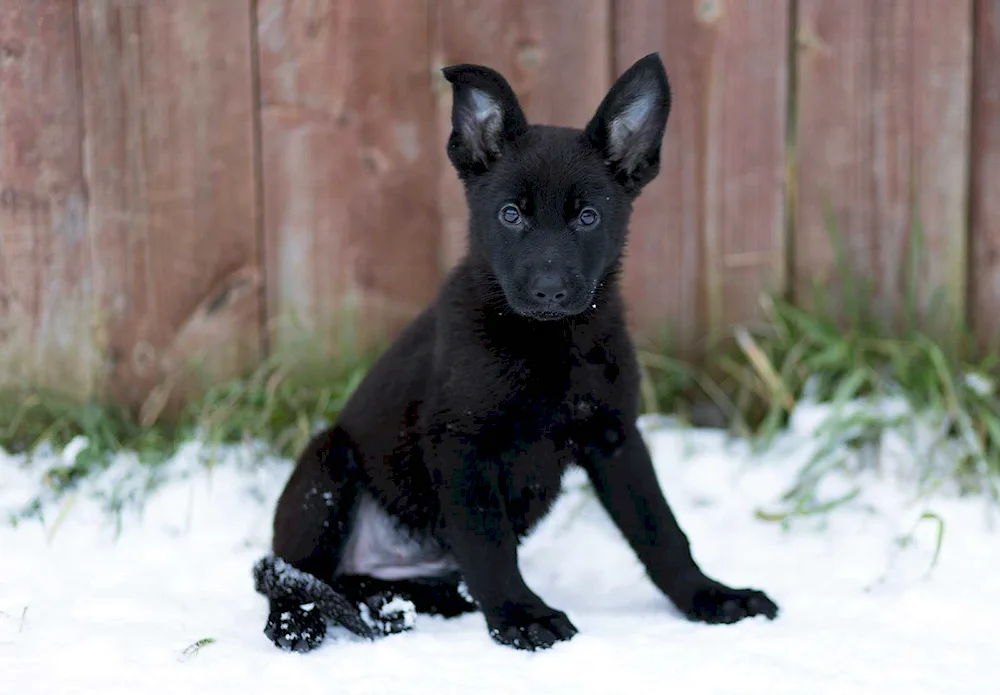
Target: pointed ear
point(485, 114)
point(628, 126)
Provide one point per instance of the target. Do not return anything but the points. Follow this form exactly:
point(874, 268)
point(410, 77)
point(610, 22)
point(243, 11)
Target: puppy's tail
point(279, 581)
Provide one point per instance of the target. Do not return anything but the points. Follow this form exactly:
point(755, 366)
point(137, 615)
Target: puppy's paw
point(296, 629)
point(387, 613)
point(532, 633)
point(720, 604)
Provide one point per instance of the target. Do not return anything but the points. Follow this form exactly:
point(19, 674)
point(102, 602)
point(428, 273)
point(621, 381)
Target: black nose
point(548, 287)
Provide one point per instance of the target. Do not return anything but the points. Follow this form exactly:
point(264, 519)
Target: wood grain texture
point(169, 156)
point(985, 231)
point(708, 235)
point(347, 121)
point(46, 292)
point(942, 82)
point(556, 55)
point(882, 136)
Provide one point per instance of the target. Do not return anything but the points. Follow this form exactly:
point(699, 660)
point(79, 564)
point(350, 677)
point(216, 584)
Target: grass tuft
point(281, 403)
point(877, 376)
point(278, 404)
point(194, 648)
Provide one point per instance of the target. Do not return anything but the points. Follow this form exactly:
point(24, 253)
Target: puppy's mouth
point(550, 313)
point(547, 315)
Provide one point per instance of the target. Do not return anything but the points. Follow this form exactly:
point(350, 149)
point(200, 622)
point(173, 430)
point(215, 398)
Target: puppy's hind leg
point(302, 606)
point(311, 524)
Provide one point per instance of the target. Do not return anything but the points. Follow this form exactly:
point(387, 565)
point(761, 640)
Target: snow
point(167, 605)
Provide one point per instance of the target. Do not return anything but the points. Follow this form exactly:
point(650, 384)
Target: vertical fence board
point(708, 235)
point(46, 317)
point(942, 66)
point(347, 126)
point(882, 131)
point(169, 161)
point(555, 54)
point(985, 256)
point(664, 269)
point(833, 148)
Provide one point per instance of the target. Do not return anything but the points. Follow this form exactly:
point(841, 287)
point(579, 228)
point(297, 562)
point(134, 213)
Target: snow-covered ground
point(83, 610)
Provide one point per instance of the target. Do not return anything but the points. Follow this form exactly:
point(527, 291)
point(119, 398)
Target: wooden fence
point(213, 179)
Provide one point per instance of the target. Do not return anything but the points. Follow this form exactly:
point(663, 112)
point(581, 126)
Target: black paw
point(297, 629)
point(724, 605)
point(388, 613)
point(534, 632)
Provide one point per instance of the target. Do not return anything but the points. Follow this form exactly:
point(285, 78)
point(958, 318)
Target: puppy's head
point(549, 206)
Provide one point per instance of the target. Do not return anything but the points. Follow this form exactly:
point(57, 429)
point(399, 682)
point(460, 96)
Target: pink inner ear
point(631, 119)
point(484, 108)
point(481, 122)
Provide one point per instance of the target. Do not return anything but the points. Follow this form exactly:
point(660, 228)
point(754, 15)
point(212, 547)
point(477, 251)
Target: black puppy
point(454, 445)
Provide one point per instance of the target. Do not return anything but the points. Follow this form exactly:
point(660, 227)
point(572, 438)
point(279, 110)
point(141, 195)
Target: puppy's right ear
point(485, 115)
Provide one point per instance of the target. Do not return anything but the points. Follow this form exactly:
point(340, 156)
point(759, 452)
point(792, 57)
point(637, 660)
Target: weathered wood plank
point(46, 312)
point(882, 138)
point(347, 119)
point(555, 54)
point(834, 141)
point(942, 57)
point(985, 231)
point(708, 235)
point(169, 161)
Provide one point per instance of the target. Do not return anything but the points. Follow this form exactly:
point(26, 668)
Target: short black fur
point(454, 445)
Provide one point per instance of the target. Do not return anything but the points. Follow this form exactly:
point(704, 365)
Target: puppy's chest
point(552, 431)
point(568, 405)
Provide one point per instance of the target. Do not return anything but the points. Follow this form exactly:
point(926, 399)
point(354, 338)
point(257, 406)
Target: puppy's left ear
point(628, 126)
point(485, 116)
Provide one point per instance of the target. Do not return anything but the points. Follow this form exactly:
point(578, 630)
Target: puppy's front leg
point(626, 484)
point(480, 534)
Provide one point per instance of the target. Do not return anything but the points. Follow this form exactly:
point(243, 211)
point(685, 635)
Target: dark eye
point(588, 217)
point(509, 214)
